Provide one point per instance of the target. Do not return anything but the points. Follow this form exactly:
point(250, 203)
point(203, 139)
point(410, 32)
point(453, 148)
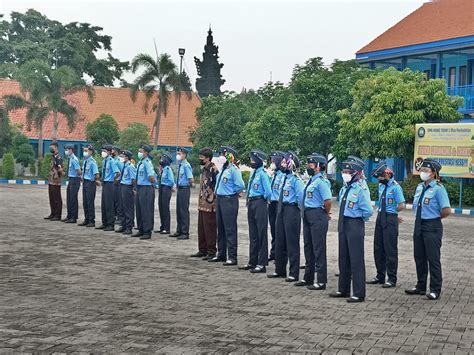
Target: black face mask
point(310, 171)
point(384, 181)
point(51, 150)
point(202, 162)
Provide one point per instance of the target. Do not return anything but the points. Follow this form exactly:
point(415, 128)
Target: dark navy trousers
point(128, 206)
point(287, 240)
point(386, 247)
point(257, 217)
point(164, 198)
point(145, 208)
point(182, 210)
point(227, 209)
point(272, 212)
point(72, 193)
point(315, 229)
point(107, 204)
point(89, 189)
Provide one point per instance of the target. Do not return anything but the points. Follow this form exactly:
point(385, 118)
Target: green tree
point(31, 35)
point(23, 151)
point(45, 166)
point(5, 132)
point(8, 166)
point(381, 121)
point(131, 137)
point(159, 78)
point(102, 131)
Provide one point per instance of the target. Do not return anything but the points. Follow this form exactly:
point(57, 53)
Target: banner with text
point(451, 144)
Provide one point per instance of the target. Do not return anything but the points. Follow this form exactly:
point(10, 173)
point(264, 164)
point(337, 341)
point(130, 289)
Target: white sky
point(254, 37)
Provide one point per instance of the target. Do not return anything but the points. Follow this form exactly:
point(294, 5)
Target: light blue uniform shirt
point(89, 169)
point(260, 184)
point(318, 191)
point(73, 166)
point(118, 163)
point(144, 171)
point(393, 197)
point(434, 200)
point(229, 181)
point(293, 189)
point(277, 180)
point(129, 174)
point(167, 176)
point(109, 169)
point(364, 184)
point(358, 203)
point(185, 172)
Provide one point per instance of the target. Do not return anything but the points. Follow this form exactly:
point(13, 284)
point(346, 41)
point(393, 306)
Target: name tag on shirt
point(351, 204)
point(276, 187)
point(309, 194)
point(286, 193)
point(255, 186)
point(224, 179)
point(390, 201)
point(426, 201)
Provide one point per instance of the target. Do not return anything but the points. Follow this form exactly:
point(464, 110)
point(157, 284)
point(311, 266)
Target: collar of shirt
point(391, 182)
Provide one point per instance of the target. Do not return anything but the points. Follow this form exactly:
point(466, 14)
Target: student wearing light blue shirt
point(127, 182)
point(430, 206)
point(117, 186)
point(391, 201)
point(110, 172)
point(258, 193)
point(164, 195)
point(90, 181)
point(74, 183)
point(355, 208)
point(316, 206)
point(228, 187)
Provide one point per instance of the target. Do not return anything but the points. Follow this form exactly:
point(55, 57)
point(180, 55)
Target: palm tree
point(160, 77)
point(51, 87)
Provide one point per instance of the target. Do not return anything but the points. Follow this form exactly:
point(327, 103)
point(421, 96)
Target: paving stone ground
point(66, 288)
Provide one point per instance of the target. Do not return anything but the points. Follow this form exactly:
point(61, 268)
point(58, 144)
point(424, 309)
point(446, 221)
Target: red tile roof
point(116, 102)
point(433, 21)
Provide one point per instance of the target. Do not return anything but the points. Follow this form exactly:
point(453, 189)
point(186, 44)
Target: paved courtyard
point(65, 288)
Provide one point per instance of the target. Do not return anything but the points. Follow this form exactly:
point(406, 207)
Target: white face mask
point(122, 159)
point(85, 154)
point(104, 155)
point(425, 176)
point(178, 157)
point(273, 166)
point(67, 153)
point(347, 178)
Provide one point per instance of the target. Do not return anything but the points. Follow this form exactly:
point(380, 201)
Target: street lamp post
point(181, 52)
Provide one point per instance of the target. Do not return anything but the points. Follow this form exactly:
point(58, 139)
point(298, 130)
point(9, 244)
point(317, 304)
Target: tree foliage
point(102, 131)
point(5, 132)
point(31, 35)
point(133, 136)
point(8, 166)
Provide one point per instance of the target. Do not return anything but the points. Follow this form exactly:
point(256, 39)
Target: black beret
point(291, 155)
point(165, 158)
point(277, 154)
point(69, 146)
point(379, 169)
point(182, 150)
point(207, 152)
point(107, 147)
point(117, 149)
point(147, 148)
point(89, 147)
point(54, 143)
point(228, 149)
point(432, 164)
point(352, 165)
point(127, 153)
point(356, 159)
point(317, 158)
point(258, 154)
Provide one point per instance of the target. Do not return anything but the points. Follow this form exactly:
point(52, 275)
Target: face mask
point(67, 153)
point(178, 157)
point(273, 166)
point(310, 171)
point(253, 164)
point(425, 176)
point(384, 181)
point(51, 150)
point(202, 162)
point(122, 160)
point(104, 155)
point(347, 178)
point(140, 155)
point(85, 154)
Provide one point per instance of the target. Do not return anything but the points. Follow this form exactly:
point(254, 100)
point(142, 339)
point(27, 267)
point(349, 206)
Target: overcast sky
point(255, 38)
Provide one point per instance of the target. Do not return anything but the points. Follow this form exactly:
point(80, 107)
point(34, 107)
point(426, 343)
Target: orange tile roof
point(116, 102)
point(433, 21)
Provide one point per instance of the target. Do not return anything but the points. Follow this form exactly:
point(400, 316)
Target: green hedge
point(8, 166)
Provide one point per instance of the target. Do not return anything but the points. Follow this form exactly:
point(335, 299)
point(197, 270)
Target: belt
point(183, 187)
point(254, 198)
point(354, 218)
point(108, 182)
point(427, 220)
point(74, 177)
point(313, 208)
point(389, 214)
point(226, 196)
point(289, 204)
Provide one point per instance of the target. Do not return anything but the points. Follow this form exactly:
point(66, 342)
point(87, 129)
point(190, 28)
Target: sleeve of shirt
point(170, 176)
point(299, 190)
point(150, 171)
point(325, 191)
point(415, 201)
point(266, 185)
point(365, 204)
point(75, 164)
point(443, 198)
point(132, 171)
point(399, 198)
point(95, 168)
point(239, 182)
point(188, 171)
point(115, 166)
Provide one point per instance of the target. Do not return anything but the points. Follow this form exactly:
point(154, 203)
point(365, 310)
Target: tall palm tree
point(160, 77)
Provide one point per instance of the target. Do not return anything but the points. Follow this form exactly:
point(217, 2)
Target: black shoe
point(302, 283)
point(375, 281)
point(120, 230)
point(271, 258)
point(100, 227)
point(246, 267)
point(164, 232)
point(291, 279)
point(259, 270)
point(208, 257)
point(49, 217)
point(145, 236)
point(127, 232)
point(136, 235)
point(317, 287)
point(433, 296)
point(354, 299)
point(415, 291)
point(389, 284)
point(302, 267)
point(109, 229)
point(83, 224)
point(337, 275)
point(71, 221)
point(55, 219)
point(90, 225)
point(199, 254)
point(230, 263)
point(183, 237)
point(339, 295)
point(216, 259)
point(275, 276)
point(65, 219)
point(175, 235)
point(118, 222)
